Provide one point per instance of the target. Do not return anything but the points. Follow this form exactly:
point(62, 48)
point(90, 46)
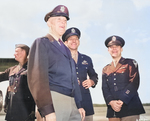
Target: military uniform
point(20, 103)
point(52, 76)
point(121, 82)
point(84, 66)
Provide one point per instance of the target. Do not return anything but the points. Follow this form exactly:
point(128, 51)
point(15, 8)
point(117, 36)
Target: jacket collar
point(17, 69)
point(56, 44)
point(113, 68)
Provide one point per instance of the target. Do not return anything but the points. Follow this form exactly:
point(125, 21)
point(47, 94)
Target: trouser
point(131, 118)
point(65, 107)
point(127, 118)
point(88, 118)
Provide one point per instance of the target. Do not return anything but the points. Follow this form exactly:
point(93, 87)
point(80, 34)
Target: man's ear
point(24, 52)
point(121, 49)
point(49, 22)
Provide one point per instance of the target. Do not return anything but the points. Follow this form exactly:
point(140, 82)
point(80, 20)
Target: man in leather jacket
point(20, 105)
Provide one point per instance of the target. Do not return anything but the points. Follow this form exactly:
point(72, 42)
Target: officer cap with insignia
point(114, 40)
point(24, 47)
point(70, 32)
point(59, 10)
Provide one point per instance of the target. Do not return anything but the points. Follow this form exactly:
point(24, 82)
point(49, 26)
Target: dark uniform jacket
point(20, 103)
point(84, 67)
point(121, 83)
point(51, 67)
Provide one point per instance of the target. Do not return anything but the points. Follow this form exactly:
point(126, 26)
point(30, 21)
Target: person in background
point(20, 104)
point(51, 72)
point(120, 82)
point(84, 67)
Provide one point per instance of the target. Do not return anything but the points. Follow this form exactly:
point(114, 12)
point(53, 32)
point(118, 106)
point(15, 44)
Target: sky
point(22, 21)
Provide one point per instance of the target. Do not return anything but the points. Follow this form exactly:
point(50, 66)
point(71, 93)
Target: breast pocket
point(122, 69)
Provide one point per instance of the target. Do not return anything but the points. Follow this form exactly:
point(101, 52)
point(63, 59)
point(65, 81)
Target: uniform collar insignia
point(135, 63)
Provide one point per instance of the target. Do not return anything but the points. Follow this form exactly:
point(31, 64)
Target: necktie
point(60, 42)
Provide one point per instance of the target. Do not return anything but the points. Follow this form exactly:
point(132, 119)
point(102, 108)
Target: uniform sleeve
point(4, 76)
point(92, 74)
point(131, 89)
point(38, 77)
point(105, 89)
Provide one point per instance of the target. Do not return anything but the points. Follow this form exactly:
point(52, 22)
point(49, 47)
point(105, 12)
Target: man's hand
point(82, 113)
point(87, 83)
point(116, 105)
point(120, 102)
point(50, 117)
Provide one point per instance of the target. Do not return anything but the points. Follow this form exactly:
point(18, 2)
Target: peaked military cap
point(114, 40)
point(70, 32)
point(24, 47)
point(59, 10)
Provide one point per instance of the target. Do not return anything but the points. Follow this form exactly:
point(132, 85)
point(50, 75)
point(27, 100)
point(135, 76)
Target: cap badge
point(73, 30)
point(113, 38)
point(62, 9)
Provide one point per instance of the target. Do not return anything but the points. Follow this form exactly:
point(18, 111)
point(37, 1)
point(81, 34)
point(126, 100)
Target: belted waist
point(62, 90)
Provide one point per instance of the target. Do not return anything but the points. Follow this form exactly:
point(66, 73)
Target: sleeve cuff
point(108, 99)
point(78, 104)
point(46, 110)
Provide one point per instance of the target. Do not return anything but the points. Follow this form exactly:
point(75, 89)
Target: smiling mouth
point(62, 27)
point(114, 51)
point(74, 44)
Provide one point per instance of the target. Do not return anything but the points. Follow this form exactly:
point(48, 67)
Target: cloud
point(85, 14)
point(142, 40)
point(109, 26)
point(140, 4)
point(140, 36)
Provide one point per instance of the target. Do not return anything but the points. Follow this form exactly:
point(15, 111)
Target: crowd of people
point(52, 80)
